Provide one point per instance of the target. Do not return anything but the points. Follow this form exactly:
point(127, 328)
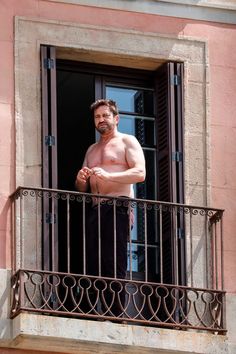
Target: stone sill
point(56, 334)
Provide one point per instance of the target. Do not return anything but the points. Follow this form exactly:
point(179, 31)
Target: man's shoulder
point(92, 147)
point(128, 138)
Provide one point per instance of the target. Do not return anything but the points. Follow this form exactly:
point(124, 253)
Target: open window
point(150, 106)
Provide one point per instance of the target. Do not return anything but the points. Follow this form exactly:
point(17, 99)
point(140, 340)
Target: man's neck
point(104, 138)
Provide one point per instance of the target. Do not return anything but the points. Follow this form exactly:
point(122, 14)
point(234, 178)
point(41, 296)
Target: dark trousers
point(114, 295)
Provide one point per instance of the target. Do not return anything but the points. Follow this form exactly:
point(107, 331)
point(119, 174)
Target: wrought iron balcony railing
point(174, 259)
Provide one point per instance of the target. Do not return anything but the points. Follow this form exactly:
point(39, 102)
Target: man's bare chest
point(107, 155)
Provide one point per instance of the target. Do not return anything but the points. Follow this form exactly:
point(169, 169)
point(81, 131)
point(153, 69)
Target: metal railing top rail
point(110, 197)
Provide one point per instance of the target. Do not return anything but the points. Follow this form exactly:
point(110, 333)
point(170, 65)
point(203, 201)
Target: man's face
point(104, 120)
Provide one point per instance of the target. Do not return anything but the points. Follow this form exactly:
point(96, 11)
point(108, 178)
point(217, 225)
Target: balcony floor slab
point(57, 334)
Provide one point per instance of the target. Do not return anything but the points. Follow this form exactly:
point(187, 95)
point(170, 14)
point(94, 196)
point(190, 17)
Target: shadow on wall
point(5, 233)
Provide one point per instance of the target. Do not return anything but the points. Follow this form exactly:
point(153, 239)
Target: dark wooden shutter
point(49, 156)
point(170, 162)
point(179, 166)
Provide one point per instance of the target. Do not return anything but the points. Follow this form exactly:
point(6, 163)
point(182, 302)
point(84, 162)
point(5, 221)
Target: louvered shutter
point(169, 170)
point(49, 156)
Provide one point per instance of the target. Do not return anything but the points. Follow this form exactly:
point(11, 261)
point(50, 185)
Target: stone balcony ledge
point(57, 334)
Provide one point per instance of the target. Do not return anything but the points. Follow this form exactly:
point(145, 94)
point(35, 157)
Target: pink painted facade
point(221, 39)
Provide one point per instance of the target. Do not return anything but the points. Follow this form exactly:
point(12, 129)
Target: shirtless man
point(113, 164)
point(111, 167)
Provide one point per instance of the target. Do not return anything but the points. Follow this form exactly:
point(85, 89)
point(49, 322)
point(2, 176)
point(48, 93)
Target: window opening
point(150, 108)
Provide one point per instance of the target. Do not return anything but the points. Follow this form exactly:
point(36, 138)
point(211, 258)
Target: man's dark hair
point(102, 102)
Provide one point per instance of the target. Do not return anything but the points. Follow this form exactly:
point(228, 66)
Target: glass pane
point(127, 124)
point(143, 129)
point(132, 100)
point(145, 132)
point(151, 227)
point(138, 259)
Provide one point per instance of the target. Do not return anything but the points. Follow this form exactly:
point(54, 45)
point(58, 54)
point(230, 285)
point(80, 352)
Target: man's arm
point(135, 160)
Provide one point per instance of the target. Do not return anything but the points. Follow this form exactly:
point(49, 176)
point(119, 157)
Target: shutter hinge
point(50, 218)
point(175, 80)
point(177, 156)
point(49, 140)
point(180, 233)
point(49, 63)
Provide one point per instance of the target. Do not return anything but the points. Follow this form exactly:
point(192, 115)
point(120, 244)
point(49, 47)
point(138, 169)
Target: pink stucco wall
point(222, 58)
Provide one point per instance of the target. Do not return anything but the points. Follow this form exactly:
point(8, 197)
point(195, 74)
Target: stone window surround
point(99, 44)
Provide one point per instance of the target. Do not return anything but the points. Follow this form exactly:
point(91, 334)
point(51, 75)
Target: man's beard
point(104, 127)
